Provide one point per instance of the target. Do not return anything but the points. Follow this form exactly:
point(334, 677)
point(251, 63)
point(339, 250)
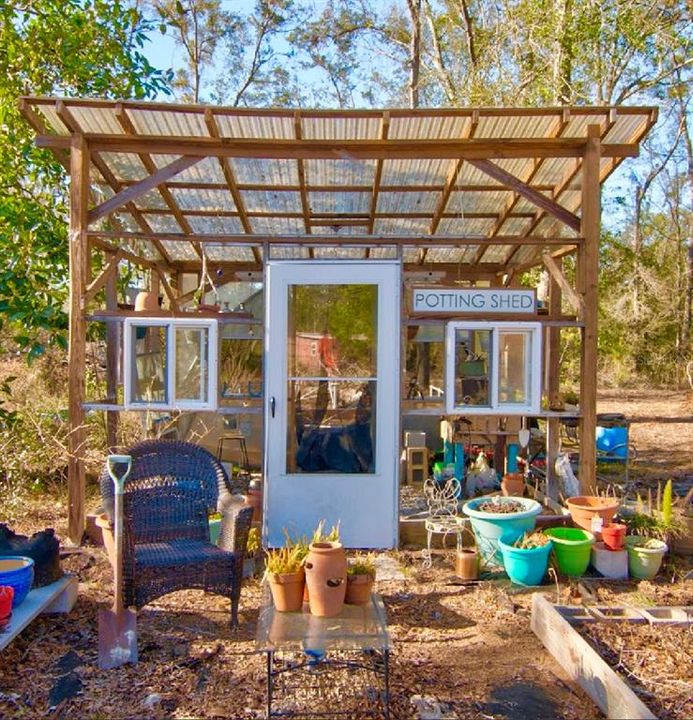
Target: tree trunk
point(414, 51)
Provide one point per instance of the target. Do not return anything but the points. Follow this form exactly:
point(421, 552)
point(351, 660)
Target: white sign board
point(473, 300)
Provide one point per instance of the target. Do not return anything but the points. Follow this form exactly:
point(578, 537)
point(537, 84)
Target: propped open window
point(170, 363)
point(493, 368)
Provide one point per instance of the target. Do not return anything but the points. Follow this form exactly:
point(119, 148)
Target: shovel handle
point(111, 462)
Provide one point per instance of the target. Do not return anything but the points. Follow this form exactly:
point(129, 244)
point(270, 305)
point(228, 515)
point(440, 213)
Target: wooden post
point(588, 270)
point(79, 188)
point(553, 385)
point(112, 355)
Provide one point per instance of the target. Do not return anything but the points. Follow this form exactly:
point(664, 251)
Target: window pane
point(473, 355)
point(192, 363)
point(240, 369)
point(149, 364)
point(332, 330)
point(331, 426)
point(425, 362)
point(513, 368)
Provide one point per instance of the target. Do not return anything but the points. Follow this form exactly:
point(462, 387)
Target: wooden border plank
point(584, 665)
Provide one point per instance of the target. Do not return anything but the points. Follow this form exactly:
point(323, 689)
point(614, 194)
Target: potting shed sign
point(473, 300)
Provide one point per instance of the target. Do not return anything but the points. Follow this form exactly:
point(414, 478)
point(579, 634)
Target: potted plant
point(360, 579)
point(495, 517)
point(326, 571)
point(644, 556)
point(252, 549)
point(286, 577)
point(572, 548)
point(526, 559)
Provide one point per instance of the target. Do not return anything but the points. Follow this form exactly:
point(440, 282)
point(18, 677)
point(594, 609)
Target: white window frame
point(533, 371)
point(171, 324)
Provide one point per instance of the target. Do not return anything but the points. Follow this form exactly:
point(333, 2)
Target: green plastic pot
point(644, 562)
point(572, 547)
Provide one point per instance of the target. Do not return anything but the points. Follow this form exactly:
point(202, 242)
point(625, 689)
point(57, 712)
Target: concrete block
point(610, 563)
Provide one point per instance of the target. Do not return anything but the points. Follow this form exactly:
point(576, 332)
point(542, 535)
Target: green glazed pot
point(644, 562)
point(572, 547)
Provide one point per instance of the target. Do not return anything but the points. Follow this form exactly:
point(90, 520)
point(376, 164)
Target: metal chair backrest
point(442, 497)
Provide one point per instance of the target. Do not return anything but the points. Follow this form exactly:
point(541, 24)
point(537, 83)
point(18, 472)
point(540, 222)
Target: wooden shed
point(367, 268)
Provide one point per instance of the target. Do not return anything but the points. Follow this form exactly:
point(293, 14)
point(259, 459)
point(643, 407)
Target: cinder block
point(414, 439)
point(610, 563)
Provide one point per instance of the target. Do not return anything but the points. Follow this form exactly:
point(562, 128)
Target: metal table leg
point(270, 661)
point(386, 663)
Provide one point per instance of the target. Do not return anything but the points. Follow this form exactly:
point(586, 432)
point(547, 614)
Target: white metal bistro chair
point(443, 517)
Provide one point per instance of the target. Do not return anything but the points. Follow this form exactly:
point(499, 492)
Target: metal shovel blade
point(117, 638)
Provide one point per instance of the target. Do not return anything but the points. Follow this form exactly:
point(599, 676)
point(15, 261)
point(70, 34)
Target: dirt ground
point(459, 651)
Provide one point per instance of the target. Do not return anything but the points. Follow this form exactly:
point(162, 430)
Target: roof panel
point(179, 250)
point(343, 253)
point(451, 254)
point(416, 172)
point(96, 119)
point(516, 126)
point(441, 127)
point(266, 127)
point(168, 122)
point(256, 171)
point(220, 252)
point(347, 203)
point(525, 254)
point(401, 226)
point(277, 226)
point(336, 128)
point(515, 226)
point(340, 172)
point(216, 225)
point(53, 119)
point(479, 202)
point(466, 226)
point(496, 254)
point(288, 252)
point(268, 201)
point(151, 200)
point(384, 253)
point(125, 166)
point(203, 199)
point(163, 223)
point(578, 124)
point(206, 170)
point(397, 202)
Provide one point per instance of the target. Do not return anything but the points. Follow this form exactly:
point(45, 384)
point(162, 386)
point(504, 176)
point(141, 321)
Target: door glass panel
point(332, 330)
point(473, 367)
point(513, 368)
point(192, 364)
point(148, 364)
point(332, 366)
point(331, 426)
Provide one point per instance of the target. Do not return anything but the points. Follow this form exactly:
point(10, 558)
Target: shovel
point(118, 626)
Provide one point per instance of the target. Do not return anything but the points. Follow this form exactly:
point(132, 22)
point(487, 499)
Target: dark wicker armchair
point(171, 489)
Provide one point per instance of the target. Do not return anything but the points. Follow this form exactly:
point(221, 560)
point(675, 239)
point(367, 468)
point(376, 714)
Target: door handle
point(273, 405)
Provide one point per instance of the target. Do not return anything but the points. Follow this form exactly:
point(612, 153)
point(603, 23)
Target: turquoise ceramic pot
point(525, 566)
point(489, 528)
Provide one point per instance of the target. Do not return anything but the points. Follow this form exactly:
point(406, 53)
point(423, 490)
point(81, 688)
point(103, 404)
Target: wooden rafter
point(129, 127)
point(131, 193)
point(282, 149)
point(301, 171)
point(376, 188)
point(230, 177)
point(73, 126)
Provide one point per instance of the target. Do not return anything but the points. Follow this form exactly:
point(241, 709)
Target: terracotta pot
point(358, 589)
point(326, 578)
point(254, 499)
point(591, 512)
point(146, 302)
point(614, 536)
point(467, 564)
point(513, 484)
point(287, 590)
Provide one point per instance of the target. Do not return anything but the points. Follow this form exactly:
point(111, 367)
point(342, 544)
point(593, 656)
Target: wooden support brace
point(103, 278)
point(167, 289)
point(557, 274)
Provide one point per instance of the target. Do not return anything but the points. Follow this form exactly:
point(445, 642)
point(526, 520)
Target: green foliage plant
point(320, 536)
point(253, 544)
point(283, 560)
point(530, 540)
point(362, 564)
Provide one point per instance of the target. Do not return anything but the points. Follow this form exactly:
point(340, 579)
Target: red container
point(614, 536)
point(6, 597)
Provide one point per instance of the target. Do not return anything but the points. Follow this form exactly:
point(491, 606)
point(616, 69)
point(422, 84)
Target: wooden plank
point(588, 265)
point(78, 260)
point(474, 149)
point(584, 665)
point(167, 289)
point(375, 190)
point(58, 597)
point(103, 278)
point(557, 275)
point(112, 358)
point(553, 384)
point(132, 192)
point(521, 188)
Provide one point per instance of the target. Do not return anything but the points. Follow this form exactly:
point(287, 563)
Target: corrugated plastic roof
point(383, 178)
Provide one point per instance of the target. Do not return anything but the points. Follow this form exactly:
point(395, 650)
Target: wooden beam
point(112, 357)
point(553, 383)
point(125, 254)
point(475, 149)
point(557, 274)
point(79, 193)
point(583, 664)
point(167, 289)
point(131, 193)
point(509, 180)
point(588, 270)
point(375, 190)
point(103, 278)
point(300, 169)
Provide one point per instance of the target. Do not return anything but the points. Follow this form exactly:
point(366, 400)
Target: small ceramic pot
point(467, 564)
point(644, 562)
point(358, 589)
point(287, 590)
point(614, 536)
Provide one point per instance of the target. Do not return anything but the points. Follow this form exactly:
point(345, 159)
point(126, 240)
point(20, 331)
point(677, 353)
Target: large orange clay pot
point(146, 302)
point(326, 578)
point(287, 590)
point(585, 511)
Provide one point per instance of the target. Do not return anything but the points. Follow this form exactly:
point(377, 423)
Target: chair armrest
point(235, 526)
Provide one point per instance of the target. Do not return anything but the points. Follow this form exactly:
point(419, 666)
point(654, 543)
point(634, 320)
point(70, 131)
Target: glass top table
point(355, 640)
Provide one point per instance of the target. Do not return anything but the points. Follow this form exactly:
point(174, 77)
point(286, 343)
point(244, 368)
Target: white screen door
point(332, 388)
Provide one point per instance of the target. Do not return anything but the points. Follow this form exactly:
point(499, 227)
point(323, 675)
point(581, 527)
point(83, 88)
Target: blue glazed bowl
point(18, 572)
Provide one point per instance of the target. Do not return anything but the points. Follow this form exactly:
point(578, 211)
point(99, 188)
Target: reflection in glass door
point(332, 370)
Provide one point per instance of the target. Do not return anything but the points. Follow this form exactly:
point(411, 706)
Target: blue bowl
point(18, 572)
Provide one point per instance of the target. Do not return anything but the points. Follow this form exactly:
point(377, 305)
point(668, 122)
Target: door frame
point(376, 494)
